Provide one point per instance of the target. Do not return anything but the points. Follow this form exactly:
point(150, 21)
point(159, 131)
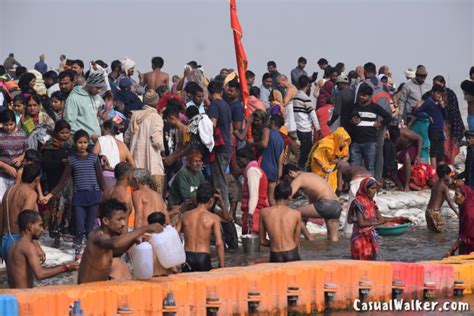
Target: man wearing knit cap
point(128, 69)
point(144, 137)
point(84, 102)
point(412, 92)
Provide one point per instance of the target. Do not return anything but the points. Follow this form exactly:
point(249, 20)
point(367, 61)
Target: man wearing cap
point(412, 92)
point(344, 102)
point(128, 69)
point(364, 128)
point(82, 105)
point(144, 137)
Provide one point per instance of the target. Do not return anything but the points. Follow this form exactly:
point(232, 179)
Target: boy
point(23, 263)
point(158, 269)
point(120, 191)
point(109, 241)
point(439, 193)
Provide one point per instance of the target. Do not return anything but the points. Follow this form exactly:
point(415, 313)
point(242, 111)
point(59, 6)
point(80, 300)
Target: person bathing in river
point(365, 215)
point(439, 194)
point(283, 225)
point(464, 197)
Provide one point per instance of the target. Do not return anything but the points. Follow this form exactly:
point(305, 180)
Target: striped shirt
point(365, 132)
point(304, 113)
point(12, 145)
point(83, 170)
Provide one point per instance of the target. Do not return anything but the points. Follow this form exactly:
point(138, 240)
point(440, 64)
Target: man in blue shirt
point(41, 65)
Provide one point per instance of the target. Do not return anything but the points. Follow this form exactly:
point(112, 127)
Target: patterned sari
point(364, 241)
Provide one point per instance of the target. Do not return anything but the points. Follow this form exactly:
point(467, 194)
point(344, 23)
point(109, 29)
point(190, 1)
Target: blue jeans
point(470, 121)
point(85, 217)
point(364, 152)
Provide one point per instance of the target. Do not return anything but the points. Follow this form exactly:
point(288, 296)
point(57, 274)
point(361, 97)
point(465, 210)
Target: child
point(87, 186)
point(158, 269)
point(464, 197)
point(57, 103)
point(468, 174)
point(365, 215)
point(54, 155)
point(19, 107)
point(439, 193)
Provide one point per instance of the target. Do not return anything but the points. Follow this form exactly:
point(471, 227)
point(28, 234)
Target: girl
point(87, 186)
point(57, 103)
point(365, 215)
point(13, 143)
point(19, 107)
point(54, 157)
point(35, 115)
point(27, 83)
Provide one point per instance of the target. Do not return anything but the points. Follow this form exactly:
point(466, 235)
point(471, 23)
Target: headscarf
point(466, 214)
point(329, 148)
point(127, 64)
point(364, 202)
point(276, 104)
point(340, 136)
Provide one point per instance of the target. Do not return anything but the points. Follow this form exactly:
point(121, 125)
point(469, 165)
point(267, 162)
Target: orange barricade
point(441, 276)
point(412, 276)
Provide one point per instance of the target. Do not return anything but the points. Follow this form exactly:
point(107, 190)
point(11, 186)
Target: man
point(412, 92)
point(10, 63)
point(198, 225)
point(255, 190)
point(145, 200)
point(156, 78)
point(289, 115)
point(77, 66)
point(17, 198)
point(327, 89)
point(41, 65)
point(283, 225)
point(23, 264)
point(298, 71)
point(128, 69)
point(364, 128)
point(323, 63)
point(272, 69)
point(66, 82)
point(408, 146)
point(144, 137)
point(344, 102)
point(83, 104)
point(120, 191)
point(196, 94)
point(221, 117)
point(62, 63)
point(434, 106)
point(237, 112)
point(305, 119)
point(109, 241)
point(187, 180)
point(266, 89)
point(51, 82)
point(323, 201)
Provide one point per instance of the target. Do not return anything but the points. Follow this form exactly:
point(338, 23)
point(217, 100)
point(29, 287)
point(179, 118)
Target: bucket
point(250, 243)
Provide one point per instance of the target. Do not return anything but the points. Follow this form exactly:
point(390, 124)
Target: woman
point(260, 130)
point(27, 83)
point(112, 151)
point(35, 115)
point(53, 156)
point(57, 104)
point(454, 126)
point(464, 197)
point(365, 215)
point(326, 153)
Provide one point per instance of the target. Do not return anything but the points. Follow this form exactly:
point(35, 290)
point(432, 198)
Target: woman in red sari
point(365, 215)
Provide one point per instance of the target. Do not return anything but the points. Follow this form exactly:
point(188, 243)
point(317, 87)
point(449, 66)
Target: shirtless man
point(156, 78)
point(108, 241)
point(439, 194)
point(198, 226)
point(290, 123)
point(323, 201)
point(123, 174)
point(408, 145)
point(17, 198)
point(23, 263)
point(283, 225)
point(145, 200)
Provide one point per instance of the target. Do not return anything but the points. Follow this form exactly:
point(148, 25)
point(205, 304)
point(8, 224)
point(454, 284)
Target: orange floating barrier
point(412, 277)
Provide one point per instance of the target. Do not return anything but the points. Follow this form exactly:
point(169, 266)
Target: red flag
point(240, 55)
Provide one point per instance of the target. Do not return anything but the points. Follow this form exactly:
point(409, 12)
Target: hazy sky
point(401, 34)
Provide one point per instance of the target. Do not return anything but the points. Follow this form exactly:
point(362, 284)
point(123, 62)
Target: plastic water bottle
point(168, 247)
point(76, 309)
point(142, 261)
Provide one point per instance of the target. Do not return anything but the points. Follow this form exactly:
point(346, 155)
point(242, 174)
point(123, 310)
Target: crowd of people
point(101, 155)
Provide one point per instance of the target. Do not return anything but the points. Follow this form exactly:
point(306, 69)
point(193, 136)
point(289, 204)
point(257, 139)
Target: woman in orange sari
point(326, 153)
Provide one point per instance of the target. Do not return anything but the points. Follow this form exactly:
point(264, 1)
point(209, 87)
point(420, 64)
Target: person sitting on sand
point(283, 225)
point(109, 241)
point(145, 200)
point(365, 215)
point(323, 201)
point(23, 264)
point(198, 225)
point(464, 197)
point(439, 194)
